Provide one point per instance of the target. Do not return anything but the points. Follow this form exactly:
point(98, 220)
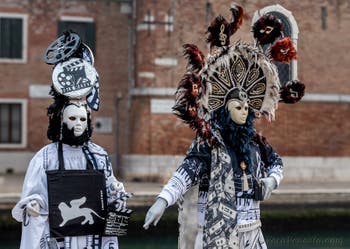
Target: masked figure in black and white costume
point(233, 192)
point(32, 209)
point(235, 168)
point(46, 198)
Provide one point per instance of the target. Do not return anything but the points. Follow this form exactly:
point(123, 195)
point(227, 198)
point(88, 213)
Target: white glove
point(269, 185)
point(33, 208)
point(155, 212)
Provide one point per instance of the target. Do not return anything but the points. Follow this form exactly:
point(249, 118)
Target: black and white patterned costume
point(46, 193)
point(35, 230)
point(226, 213)
point(227, 159)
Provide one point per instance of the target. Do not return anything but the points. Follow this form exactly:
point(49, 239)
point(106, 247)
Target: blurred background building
point(138, 54)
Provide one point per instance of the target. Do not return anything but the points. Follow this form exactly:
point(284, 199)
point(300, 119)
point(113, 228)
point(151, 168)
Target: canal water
point(286, 241)
point(312, 240)
point(287, 229)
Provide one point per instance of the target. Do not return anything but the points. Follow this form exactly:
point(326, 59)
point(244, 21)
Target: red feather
point(283, 50)
point(267, 29)
point(194, 56)
point(203, 128)
point(220, 30)
point(237, 18)
point(189, 90)
point(292, 92)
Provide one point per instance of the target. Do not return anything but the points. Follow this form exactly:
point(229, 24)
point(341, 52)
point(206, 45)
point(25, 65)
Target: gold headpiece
point(243, 69)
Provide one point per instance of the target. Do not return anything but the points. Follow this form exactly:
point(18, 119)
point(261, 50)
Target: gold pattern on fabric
point(238, 69)
point(247, 70)
point(258, 89)
point(215, 103)
point(256, 103)
point(252, 76)
point(218, 89)
point(224, 77)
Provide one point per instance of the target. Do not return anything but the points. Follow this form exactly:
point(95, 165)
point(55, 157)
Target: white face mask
point(75, 117)
point(238, 111)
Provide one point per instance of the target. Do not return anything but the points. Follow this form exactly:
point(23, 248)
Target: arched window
point(286, 71)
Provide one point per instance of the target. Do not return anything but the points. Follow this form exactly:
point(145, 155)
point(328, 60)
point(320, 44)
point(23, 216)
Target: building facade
point(138, 54)
point(27, 29)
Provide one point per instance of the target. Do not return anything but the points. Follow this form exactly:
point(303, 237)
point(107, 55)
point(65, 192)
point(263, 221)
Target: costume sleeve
point(189, 173)
point(103, 161)
point(115, 189)
point(112, 183)
point(274, 165)
point(34, 187)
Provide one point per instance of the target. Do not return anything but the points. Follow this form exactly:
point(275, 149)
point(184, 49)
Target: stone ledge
point(282, 197)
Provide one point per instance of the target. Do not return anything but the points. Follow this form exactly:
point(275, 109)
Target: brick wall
point(155, 56)
point(305, 129)
point(111, 62)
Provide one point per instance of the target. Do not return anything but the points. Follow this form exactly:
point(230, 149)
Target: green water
point(301, 240)
point(287, 229)
point(323, 240)
point(309, 240)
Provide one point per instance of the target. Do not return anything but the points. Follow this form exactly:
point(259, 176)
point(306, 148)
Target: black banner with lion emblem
point(77, 202)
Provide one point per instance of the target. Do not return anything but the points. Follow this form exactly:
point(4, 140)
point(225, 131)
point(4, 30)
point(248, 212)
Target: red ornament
point(283, 51)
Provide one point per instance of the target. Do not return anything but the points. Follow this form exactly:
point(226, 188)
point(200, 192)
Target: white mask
point(238, 111)
point(76, 118)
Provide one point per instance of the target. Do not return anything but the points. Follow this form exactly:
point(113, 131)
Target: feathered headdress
point(267, 29)
point(240, 68)
point(191, 103)
point(283, 51)
point(220, 30)
point(268, 32)
point(292, 92)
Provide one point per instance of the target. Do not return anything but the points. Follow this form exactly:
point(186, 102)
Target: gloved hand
point(116, 187)
point(155, 212)
point(117, 193)
point(33, 208)
point(269, 184)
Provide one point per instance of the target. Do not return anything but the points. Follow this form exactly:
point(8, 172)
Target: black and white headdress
point(74, 81)
point(74, 75)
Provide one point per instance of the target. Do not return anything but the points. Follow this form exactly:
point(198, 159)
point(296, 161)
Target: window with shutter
point(286, 71)
point(13, 38)
point(12, 122)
